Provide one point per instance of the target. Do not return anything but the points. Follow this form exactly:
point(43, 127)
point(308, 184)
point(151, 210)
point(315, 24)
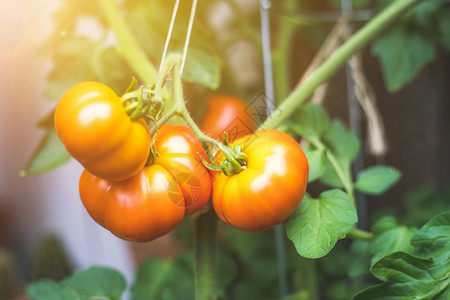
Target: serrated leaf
point(393, 240)
point(93, 283)
point(49, 154)
point(317, 224)
point(407, 277)
point(310, 122)
point(376, 180)
point(402, 53)
point(317, 162)
point(433, 238)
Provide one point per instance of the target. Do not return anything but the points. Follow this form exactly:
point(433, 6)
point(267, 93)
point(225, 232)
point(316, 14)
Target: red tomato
point(95, 129)
point(271, 186)
point(153, 202)
point(227, 113)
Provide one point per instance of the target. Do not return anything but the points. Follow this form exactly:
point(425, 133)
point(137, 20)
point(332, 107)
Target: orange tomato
point(268, 189)
point(95, 129)
point(227, 113)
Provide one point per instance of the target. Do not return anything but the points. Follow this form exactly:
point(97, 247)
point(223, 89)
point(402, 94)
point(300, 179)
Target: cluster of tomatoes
point(140, 187)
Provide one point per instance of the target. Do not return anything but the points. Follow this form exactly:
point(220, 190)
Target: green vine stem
point(127, 45)
point(358, 234)
point(336, 60)
point(205, 228)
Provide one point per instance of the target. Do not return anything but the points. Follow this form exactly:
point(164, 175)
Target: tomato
point(95, 129)
point(227, 113)
point(153, 202)
point(179, 152)
point(271, 186)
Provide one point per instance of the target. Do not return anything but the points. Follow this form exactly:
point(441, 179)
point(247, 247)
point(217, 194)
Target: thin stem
point(347, 185)
point(358, 234)
point(205, 227)
point(127, 46)
point(336, 60)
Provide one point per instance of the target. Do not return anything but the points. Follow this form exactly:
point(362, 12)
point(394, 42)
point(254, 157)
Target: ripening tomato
point(227, 113)
point(95, 129)
point(153, 202)
point(271, 186)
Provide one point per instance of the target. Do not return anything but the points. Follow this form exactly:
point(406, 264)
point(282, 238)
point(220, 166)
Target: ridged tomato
point(153, 202)
point(268, 189)
point(95, 129)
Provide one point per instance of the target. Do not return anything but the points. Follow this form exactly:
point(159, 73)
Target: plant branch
point(358, 234)
point(336, 60)
point(127, 46)
point(205, 228)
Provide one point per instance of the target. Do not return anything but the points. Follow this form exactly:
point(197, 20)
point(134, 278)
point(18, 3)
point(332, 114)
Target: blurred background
point(416, 122)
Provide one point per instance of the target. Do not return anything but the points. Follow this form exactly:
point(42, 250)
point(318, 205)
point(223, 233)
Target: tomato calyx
point(235, 160)
point(142, 103)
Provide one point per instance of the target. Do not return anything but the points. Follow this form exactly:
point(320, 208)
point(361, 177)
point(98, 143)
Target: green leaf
point(71, 64)
point(443, 19)
point(93, 283)
point(360, 262)
point(403, 267)
point(407, 277)
point(433, 239)
point(317, 162)
point(173, 278)
point(392, 240)
point(165, 279)
point(330, 177)
point(403, 53)
point(342, 142)
point(97, 281)
point(317, 224)
point(49, 154)
point(202, 67)
point(50, 290)
point(310, 122)
point(384, 224)
point(376, 180)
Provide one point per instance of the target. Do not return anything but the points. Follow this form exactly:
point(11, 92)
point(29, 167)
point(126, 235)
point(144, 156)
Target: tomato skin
point(227, 113)
point(141, 208)
point(269, 189)
point(154, 201)
point(95, 129)
point(179, 152)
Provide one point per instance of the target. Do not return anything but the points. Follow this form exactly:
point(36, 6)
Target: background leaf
point(376, 180)
point(317, 224)
point(407, 277)
point(317, 162)
point(95, 282)
point(402, 53)
point(392, 240)
point(49, 154)
point(433, 238)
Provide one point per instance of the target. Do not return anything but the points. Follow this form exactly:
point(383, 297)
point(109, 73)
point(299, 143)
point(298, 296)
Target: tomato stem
point(337, 60)
point(358, 234)
point(205, 228)
point(127, 45)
